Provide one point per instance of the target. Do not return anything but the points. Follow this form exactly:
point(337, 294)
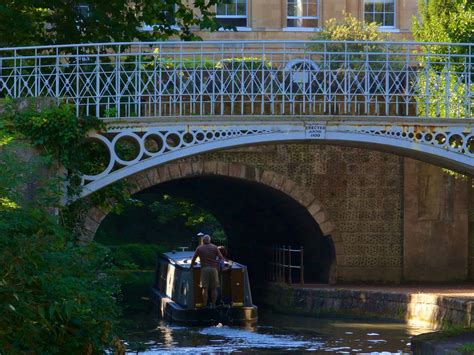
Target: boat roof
point(183, 258)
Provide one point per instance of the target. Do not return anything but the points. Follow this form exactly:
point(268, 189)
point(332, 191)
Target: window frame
point(303, 29)
point(246, 17)
point(395, 17)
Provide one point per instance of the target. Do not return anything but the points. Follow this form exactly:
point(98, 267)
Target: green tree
point(39, 22)
point(449, 21)
point(444, 77)
point(171, 209)
point(55, 297)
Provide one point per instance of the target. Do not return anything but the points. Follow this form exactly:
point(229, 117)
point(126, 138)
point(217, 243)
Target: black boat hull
point(172, 311)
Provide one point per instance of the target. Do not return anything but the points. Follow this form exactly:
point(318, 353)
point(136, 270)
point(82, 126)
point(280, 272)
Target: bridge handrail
point(247, 78)
point(194, 43)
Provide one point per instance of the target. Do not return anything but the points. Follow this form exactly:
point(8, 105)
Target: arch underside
point(281, 184)
point(450, 147)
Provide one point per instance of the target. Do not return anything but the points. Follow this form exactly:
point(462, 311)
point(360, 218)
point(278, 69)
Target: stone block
point(175, 172)
point(314, 208)
point(186, 168)
point(320, 217)
point(164, 173)
point(222, 168)
point(210, 167)
point(96, 214)
point(267, 177)
point(198, 167)
point(277, 181)
point(153, 176)
point(288, 186)
point(327, 227)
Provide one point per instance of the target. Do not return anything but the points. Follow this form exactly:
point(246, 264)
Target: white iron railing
point(251, 78)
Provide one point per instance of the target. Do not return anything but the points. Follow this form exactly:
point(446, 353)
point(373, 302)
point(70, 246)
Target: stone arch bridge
point(175, 102)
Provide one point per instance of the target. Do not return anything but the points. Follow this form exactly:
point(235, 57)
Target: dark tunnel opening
point(255, 217)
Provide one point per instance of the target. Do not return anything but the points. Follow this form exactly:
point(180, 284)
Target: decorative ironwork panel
point(249, 78)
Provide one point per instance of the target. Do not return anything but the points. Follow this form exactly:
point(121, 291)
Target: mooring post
point(301, 266)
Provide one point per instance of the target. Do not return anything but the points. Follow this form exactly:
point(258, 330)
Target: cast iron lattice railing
point(250, 78)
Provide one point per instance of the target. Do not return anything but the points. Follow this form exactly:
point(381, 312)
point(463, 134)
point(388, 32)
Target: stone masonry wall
point(360, 189)
point(435, 224)
point(416, 309)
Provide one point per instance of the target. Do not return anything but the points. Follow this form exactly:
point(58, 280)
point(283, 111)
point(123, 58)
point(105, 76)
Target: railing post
point(222, 80)
point(447, 94)
point(427, 82)
point(118, 79)
point(78, 78)
point(57, 81)
point(36, 73)
point(387, 80)
point(97, 83)
point(283, 277)
point(138, 94)
point(289, 265)
point(15, 75)
point(469, 68)
point(301, 267)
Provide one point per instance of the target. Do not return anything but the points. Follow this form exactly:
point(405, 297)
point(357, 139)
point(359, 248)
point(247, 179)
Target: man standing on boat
point(209, 256)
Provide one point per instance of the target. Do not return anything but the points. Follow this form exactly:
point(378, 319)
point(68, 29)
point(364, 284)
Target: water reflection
point(274, 333)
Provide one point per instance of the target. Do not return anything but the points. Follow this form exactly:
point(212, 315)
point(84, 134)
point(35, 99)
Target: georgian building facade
point(300, 19)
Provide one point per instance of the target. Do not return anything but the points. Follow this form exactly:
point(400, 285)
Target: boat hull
point(172, 311)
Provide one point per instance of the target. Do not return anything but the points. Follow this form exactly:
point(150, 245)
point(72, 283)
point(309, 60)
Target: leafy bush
point(350, 29)
point(55, 297)
point(352, 33)
point(447, 95)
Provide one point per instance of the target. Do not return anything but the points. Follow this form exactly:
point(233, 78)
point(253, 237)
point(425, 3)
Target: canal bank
point(432, 307)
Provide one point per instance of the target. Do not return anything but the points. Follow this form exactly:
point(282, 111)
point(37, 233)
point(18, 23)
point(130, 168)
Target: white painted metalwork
point(446, 142)
point(233, 78)
point(175, 99)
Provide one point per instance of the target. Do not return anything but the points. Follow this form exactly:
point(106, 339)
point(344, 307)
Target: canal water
point(274, 333)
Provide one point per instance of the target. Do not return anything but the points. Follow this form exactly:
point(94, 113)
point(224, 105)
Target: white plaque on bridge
point(315, 130)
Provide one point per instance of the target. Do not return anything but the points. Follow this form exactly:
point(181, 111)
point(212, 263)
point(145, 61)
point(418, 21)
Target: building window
point(303, 13)
point(232, 13)
point(380, 11)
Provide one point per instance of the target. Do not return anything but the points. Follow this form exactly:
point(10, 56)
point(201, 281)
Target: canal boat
point(178, 296)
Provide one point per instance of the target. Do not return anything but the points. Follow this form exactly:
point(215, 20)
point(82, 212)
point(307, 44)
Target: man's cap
point(200, 234)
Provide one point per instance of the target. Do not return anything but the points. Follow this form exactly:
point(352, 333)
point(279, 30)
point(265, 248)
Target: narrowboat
point(178, 296)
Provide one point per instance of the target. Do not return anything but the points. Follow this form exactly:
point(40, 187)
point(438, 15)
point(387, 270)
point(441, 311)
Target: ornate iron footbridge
point(176, 99)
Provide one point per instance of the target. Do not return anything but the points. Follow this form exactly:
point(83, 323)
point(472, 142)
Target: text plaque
point(315, 130)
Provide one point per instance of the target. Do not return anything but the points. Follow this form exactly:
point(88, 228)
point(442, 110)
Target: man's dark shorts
point(209, 277)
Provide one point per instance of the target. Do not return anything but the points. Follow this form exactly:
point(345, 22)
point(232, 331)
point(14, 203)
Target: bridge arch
point(450, 147)
point(180, 170)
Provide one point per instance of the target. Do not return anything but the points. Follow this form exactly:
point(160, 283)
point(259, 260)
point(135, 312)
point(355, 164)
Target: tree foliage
point(449, 21)
point(358, 38)
point(170, 209)
point(55, 297)
point(40, 22)
point(350, 28)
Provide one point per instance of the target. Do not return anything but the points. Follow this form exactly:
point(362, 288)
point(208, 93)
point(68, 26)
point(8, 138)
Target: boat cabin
point(177, 292)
